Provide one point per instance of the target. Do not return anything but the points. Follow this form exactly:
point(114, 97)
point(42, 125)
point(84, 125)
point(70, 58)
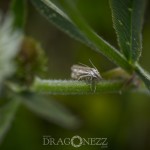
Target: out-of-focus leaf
point(31, 54)
point(18, 8)
point(80, 30)
point(60, 19)
point(7, 113)
point(145, 76)
point(128, 19)
point(50, 110)
point(10, 41)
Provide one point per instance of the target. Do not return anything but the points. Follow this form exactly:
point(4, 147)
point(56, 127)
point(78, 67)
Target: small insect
point(84, 72)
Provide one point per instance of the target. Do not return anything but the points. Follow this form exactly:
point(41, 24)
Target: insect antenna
point(95, 68)
point(92, 64)
point(83, 64)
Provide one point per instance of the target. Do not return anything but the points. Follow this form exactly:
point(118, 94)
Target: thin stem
point(72, 87)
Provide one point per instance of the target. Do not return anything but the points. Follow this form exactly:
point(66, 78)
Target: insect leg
point(93, 86)
point(83, 76)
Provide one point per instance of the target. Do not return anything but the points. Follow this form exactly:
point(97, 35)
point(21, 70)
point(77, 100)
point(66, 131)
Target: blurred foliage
point(17, 7)
point(10, 42)
point(123, 119)
point(31, 61)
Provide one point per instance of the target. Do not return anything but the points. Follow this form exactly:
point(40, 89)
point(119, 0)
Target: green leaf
point(128, 19)
point(7, 113)
point(145, 76)
point(50, 110)
point(18, 7)
point(79, 29)
point(60, 19)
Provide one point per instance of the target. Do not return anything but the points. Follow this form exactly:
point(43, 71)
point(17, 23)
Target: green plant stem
point(144, 75)
point(71, 87)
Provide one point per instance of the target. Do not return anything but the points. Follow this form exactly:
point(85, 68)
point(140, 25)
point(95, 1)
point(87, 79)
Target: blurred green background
point(123, 119)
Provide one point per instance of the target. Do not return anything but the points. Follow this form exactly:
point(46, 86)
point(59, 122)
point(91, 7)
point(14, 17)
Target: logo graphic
point(73, 139)
point(76, 141)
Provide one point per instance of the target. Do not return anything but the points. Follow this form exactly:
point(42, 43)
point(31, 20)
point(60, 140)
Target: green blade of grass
point(128, 19)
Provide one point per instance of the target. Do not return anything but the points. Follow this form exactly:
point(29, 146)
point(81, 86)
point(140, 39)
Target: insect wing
point(80, 71)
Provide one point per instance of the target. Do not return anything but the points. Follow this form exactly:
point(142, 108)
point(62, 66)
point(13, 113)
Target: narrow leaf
point(60, 19)
point(80, 30)
point(145, 76)
point(50, 110)
point(128, 19)
point(7, 114)
point(18, 8)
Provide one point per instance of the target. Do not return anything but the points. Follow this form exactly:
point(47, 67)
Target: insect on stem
point(89, 74)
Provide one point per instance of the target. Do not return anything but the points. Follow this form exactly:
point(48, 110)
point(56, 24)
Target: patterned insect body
point(83, 72)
